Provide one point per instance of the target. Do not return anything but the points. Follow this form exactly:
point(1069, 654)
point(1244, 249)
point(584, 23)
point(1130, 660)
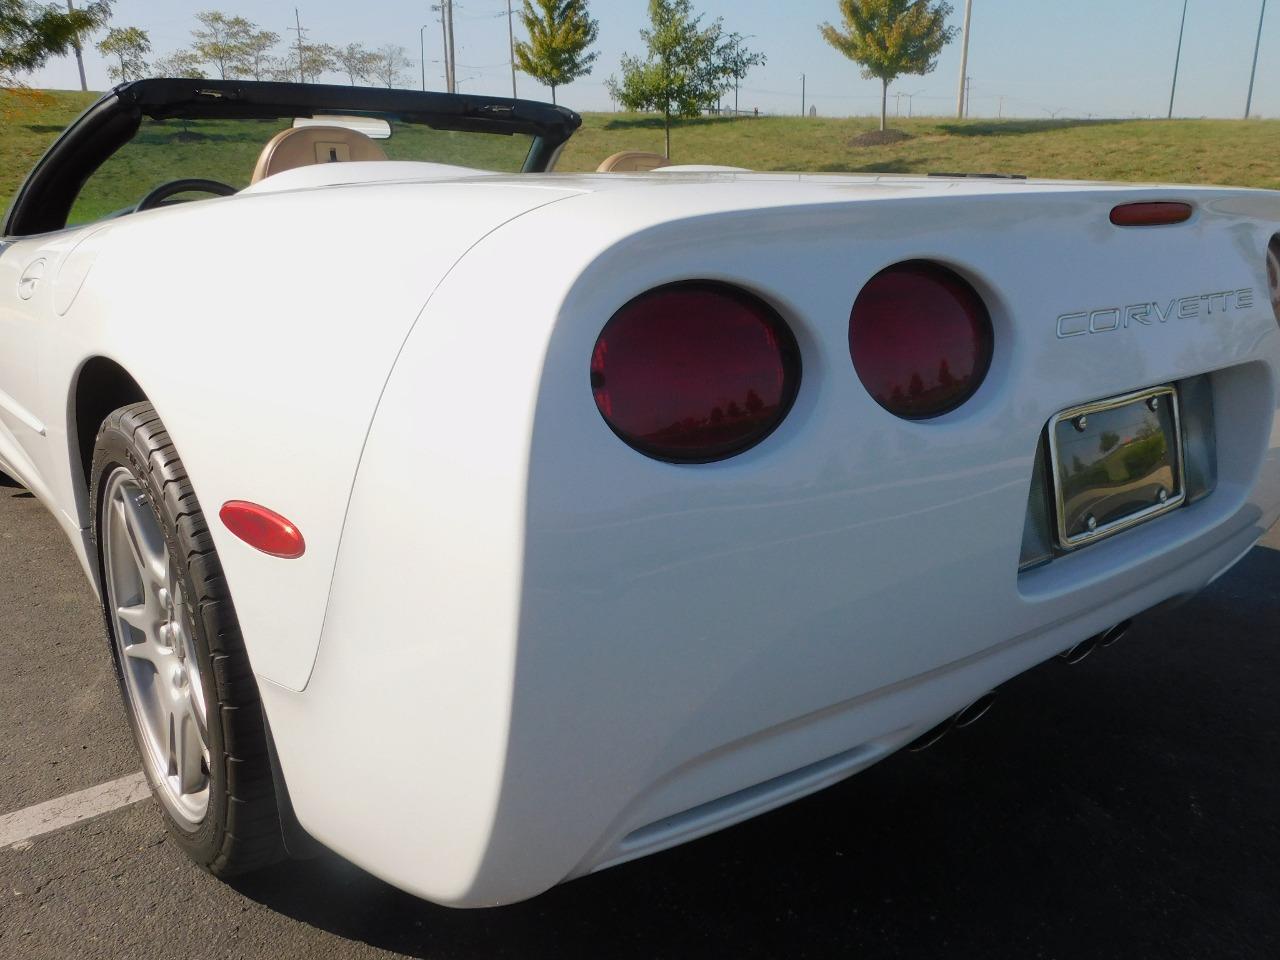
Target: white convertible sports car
point(492, 528)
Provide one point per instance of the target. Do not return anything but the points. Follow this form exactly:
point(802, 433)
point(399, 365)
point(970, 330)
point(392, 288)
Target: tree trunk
point(884, 103)
point(553, 94)
point(666, 132)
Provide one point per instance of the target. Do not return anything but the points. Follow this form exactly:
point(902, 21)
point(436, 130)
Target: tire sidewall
point(115, 448)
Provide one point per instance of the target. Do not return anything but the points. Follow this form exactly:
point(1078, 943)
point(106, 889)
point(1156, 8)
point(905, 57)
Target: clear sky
point(1109, 58)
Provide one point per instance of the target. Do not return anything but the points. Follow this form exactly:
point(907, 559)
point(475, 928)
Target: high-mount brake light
point(1273, 273)
point(920, 338)
point(695, 371)
point(263, 529)
point(1155, 213)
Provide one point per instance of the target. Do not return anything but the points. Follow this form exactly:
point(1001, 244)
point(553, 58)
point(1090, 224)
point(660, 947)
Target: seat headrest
point(303, 146)
point(632, 161)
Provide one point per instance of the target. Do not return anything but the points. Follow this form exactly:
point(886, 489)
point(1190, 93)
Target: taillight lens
point(1273, 273)
point(695, 371)
point(920, 338)
point(1155, 213)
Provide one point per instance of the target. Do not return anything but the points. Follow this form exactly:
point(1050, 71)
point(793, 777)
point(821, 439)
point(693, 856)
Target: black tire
point(241, 829)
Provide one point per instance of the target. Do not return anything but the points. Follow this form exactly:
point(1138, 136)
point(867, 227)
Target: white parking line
point(21, 825)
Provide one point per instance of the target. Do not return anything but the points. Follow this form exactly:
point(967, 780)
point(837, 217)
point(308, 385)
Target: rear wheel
point(184, 675)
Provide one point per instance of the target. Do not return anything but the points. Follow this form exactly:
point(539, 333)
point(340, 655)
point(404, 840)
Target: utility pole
point(75, 45)
point(1177, 57)
point(962, 100)
point(511, 42)
point(302, 78)
point(453, 58)
point(802, 81)
point(968, 93)
point(1248, 104)
point(737, 45)
point(422, 54)
point(444, 46)
point(1000, 108)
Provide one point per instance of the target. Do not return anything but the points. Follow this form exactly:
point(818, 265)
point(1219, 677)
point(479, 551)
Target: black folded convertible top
point(45, 198)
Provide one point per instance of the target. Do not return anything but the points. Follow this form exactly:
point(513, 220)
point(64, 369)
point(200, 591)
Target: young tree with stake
point(560, 33)
point(891, 38)
point(686, 68)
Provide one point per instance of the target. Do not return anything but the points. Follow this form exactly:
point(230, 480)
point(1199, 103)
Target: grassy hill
point(1181, 151)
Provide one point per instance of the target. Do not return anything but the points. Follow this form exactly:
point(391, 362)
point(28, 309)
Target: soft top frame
point(43, 202)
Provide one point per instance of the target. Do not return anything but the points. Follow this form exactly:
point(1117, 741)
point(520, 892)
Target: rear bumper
point(367, 777)
point(495, 711)
point(545, 653)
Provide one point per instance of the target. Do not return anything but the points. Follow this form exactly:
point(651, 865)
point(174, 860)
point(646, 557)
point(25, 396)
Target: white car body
point(517, 651)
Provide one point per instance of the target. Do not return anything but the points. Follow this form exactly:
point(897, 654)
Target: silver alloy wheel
point(157, 656)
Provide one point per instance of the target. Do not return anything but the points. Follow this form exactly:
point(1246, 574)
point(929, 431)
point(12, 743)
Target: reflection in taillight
point(920, 338)
point(695, 371)
point(1273, 273)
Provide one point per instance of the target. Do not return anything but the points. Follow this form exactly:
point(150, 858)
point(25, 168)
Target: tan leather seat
point(303, 146)
point(632, 161)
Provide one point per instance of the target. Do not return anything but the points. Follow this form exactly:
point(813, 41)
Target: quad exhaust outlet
point(958, 721)
point(1106, 638)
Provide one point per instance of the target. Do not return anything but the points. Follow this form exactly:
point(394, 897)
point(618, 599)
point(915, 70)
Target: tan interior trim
point(303, 146)
point(632, 161)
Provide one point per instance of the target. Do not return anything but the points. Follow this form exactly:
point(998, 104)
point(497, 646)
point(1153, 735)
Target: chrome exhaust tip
point(1081, 650)
point(964, 718)
point(1106, 638)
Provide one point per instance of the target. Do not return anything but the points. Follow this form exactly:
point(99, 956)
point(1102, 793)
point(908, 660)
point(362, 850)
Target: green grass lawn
point(1244, 153)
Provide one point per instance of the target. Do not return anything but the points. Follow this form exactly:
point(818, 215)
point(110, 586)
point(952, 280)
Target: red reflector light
point(1153, 214)
point(920, 338)
point(263, 529)
point(695, 371)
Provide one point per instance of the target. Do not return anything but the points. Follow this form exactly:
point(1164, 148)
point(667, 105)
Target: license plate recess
point(1116, 463)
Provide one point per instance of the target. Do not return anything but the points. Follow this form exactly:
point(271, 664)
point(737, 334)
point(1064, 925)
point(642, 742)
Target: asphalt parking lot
point(1126, 807)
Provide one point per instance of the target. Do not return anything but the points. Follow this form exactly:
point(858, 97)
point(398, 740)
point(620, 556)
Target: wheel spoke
point(139, 616)
point(146, 650)
point(188, 761)
point(149, 556)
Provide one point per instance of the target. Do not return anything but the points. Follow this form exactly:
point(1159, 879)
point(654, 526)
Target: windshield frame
point(43, 202)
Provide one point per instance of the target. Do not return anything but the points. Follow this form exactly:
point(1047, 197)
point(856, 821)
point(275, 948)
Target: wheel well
point(103, 386)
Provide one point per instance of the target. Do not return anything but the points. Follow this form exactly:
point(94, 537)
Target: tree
point(686, 68)
point(258, 47)
point(389, 64)
point(31, 33)
point(890, 38)
point(560, 31)
point(357, 61)
point(129, 46)
point(313, 59)
point(220, 41)
point(180, 63)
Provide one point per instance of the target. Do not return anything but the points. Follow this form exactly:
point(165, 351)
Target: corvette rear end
point(689, 494)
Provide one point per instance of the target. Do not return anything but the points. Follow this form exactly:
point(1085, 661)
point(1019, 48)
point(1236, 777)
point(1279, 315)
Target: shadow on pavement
point(1125, 807)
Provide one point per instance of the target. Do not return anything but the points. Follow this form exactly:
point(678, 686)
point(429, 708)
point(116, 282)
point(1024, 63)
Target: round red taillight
point(920, 338)
point(695, 371)
point(1273, 273)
